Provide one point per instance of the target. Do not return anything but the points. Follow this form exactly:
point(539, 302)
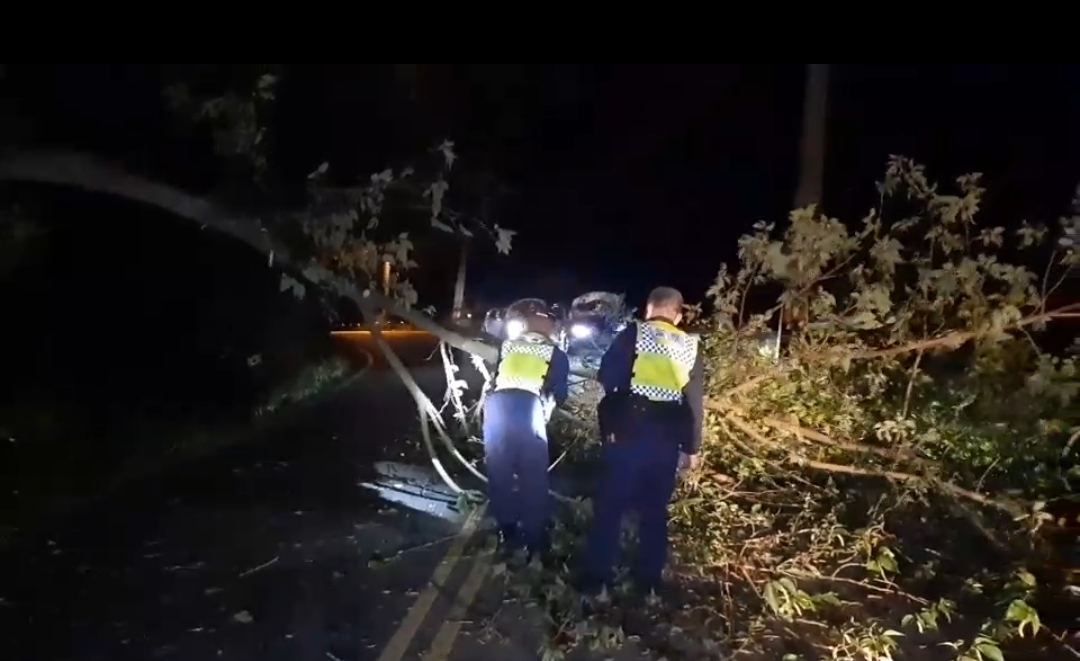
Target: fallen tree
point(332, 249)
point(890, 489)
point(845, 487)
point(900, 483)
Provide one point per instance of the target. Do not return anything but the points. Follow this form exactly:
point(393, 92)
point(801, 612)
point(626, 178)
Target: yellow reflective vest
point(524, 363)
point(663, 358)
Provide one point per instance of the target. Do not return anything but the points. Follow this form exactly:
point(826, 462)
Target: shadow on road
point(262, 551)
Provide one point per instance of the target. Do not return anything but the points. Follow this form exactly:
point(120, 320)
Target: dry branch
point(1011, 507)
point(424, 406)
point(93, 174)
point(951, 341)
point(805, 433)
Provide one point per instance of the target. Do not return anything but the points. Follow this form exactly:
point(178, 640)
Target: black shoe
point(549, 559)
point(596, 598)
point(643, 588)
point(591, 587)
point(539, 550)
point(652, 592)
point(508, 544)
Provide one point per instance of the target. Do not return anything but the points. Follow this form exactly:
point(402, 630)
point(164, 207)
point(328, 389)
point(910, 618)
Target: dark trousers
point(639, 473)
point(516, 457)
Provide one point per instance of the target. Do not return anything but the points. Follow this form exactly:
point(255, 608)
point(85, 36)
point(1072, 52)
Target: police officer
point(651, 420)
point(529, 381)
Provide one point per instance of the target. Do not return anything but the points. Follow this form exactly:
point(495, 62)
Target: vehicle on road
point(584, 329)
point(507, 324)
point(494, 320)
point(593, 321)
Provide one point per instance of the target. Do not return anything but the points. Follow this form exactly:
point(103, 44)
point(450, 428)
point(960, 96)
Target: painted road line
point(403, 637)
point(444, 640)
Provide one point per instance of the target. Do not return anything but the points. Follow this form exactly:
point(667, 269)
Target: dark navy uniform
point(531, 378)
point(653, 407)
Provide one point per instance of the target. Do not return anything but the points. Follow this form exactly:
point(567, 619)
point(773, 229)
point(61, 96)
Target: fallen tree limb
point(1011, 507)
point(746, 386)
point(91, 173)
point(88, 172)
point(1008, 506)
point(424, 404)
point(814, 435)
point(951, 341)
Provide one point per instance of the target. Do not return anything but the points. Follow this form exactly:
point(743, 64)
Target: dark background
point(622, 177)
point(625, 175)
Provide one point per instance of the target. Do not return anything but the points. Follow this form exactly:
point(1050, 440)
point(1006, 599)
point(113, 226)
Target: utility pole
point(812, 142)
point(811, 176)
point(385, 276)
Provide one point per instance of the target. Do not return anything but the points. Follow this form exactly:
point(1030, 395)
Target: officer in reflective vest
point(651, 420)
point(530, 379)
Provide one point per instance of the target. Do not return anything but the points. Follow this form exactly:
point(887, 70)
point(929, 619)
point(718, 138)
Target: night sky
point(637, 174)
point(626, 175)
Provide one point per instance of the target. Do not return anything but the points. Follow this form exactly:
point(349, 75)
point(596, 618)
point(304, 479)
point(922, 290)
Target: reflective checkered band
point(664, 356)
point(523, 364)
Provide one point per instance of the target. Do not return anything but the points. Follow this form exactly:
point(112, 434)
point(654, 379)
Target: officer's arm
point(694, 394)
point(558, 376)
point(618, 361)
point(490, 385)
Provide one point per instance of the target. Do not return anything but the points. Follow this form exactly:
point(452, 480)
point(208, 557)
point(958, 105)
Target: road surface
point(269, 551)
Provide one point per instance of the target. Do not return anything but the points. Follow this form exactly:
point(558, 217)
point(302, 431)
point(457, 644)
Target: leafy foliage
point(345, 233)
point(897, 484)
point(893, 486)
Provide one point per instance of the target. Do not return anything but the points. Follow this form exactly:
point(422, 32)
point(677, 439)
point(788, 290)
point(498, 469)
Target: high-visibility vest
point(523, 363)
point(663, 358)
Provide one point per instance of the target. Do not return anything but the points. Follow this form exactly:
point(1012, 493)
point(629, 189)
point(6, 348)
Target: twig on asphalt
point(408, 549)
point(260, 567)
point(192, 566)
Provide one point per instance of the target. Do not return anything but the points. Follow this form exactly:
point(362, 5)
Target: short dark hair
point(666, 297)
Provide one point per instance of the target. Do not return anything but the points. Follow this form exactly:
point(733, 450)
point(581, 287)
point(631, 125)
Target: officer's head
point(540, 323)
point(530, 315)
point(664, 302)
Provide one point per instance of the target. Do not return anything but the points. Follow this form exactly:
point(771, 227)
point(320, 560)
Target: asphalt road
point(268, 551)
point(273, 550)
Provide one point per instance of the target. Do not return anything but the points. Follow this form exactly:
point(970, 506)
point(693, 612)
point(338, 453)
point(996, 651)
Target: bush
point(895, 482)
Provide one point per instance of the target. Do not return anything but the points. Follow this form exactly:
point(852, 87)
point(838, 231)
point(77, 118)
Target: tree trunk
point(812, 143)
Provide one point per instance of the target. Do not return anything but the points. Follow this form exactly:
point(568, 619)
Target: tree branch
point(1011, 507)
point(816, 436)
point(91, 173)
point(956, 339)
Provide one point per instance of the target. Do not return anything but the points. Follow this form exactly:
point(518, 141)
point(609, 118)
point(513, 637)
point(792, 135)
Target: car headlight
point(514, 328)
point(580, 331)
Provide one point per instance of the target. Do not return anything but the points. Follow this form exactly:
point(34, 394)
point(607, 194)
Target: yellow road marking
point(403, 637)
point(444, 640)
point(389, 331)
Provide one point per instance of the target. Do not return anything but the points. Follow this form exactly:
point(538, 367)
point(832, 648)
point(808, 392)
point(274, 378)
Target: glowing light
point(514, 328)
point(395, 332)
point(580, 331)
